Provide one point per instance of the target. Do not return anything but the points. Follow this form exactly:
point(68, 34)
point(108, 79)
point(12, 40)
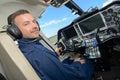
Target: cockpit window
point(54, 19)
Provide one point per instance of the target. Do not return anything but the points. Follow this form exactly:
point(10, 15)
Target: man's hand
point(58, 51)
point(82, 61)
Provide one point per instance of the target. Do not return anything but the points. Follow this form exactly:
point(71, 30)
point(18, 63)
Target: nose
point(35, 25)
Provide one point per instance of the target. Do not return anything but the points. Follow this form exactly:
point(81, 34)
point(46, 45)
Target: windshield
point(54, 19)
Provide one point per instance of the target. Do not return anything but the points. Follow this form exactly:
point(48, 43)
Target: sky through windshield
point(54, 19)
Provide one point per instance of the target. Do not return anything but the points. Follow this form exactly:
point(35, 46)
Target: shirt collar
point(28, 40)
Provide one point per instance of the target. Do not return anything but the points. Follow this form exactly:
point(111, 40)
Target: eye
point(34, 21)
point(26, 23)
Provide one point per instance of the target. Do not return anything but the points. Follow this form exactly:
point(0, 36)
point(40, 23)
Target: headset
point(13, 30)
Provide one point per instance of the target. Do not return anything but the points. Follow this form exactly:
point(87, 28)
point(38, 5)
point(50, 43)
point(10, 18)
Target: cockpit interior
point(94, 35)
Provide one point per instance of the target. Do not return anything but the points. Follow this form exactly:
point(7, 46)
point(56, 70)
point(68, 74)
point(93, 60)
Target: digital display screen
point(91, 23)
point(69, 32)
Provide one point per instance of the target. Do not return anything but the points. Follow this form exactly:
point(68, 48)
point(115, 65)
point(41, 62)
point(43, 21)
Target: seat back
point(15, 65)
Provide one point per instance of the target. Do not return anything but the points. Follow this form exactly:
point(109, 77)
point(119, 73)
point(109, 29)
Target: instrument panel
point(92, 29)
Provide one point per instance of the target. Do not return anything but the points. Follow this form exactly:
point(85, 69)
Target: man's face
point(27, 25)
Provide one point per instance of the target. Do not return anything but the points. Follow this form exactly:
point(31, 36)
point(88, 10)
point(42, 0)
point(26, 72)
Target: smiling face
point(27, 25)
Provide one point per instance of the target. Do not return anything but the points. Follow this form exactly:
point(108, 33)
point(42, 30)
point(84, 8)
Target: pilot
point(23, 26)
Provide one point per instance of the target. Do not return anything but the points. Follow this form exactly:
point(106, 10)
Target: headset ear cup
point(14, 31)
point(38, 25)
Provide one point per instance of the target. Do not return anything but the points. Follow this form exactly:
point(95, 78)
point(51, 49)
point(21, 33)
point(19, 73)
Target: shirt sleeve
point(56, 70)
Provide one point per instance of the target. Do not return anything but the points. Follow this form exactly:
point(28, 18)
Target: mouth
point(36, 31)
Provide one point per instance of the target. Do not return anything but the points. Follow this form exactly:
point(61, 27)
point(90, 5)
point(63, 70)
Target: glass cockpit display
point(91, 23)
point(69, 33)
